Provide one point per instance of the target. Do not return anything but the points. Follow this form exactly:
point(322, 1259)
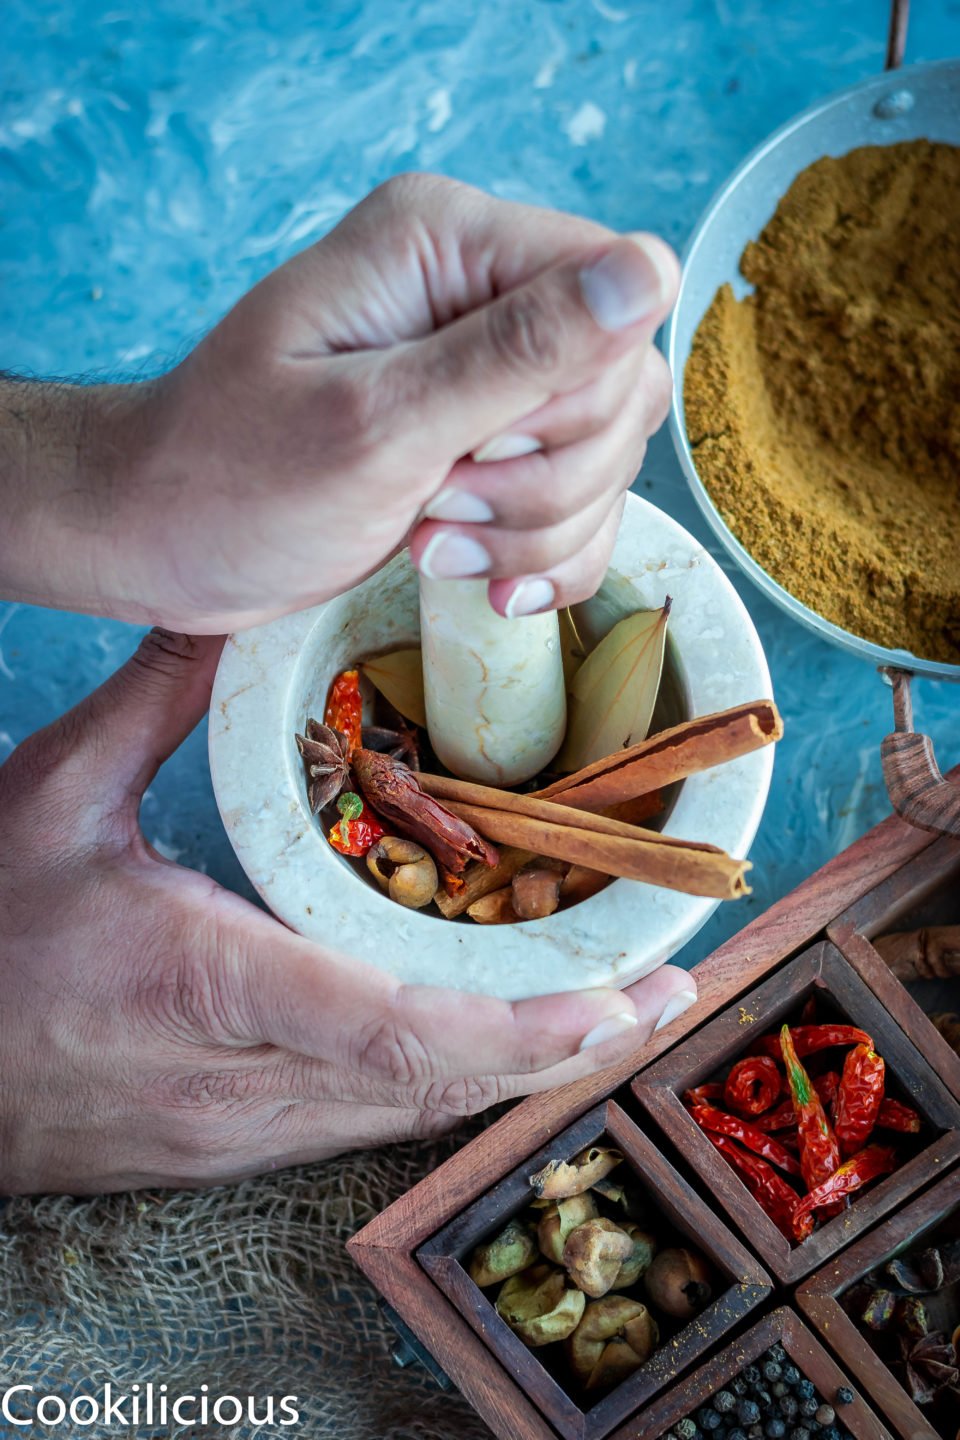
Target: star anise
point(931, 1366)
point(326, 757)
point(400, 743)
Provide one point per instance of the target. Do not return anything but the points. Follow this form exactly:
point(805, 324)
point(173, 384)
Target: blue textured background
point(157, 159)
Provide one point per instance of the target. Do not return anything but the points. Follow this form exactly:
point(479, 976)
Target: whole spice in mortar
point(822, 408)
point(584, 1268)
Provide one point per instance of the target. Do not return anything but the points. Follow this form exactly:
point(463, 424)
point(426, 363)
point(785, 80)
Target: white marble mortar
point(271, 678)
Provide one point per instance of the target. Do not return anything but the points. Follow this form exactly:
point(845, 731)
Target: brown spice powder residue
point(824, 409)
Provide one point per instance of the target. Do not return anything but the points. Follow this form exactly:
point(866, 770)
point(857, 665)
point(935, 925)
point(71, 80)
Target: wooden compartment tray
point(782, 1327)
point(386, 1249)
point(818, 1298)
point(745, 1286)
point(823, 972)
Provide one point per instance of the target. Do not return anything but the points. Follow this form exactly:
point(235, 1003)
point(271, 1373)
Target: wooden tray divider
point(818, 1299)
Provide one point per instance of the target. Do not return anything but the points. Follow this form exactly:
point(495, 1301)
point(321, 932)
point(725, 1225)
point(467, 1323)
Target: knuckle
point(525, 332)
point(213, 1089)
point(465, 1094)
point(393, 1051)
point(411, 189)
point(355, 413)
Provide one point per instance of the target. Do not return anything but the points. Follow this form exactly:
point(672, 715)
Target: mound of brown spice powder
point(824, 408)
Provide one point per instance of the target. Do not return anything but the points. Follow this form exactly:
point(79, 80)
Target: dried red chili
point(703, 1094)
point(819, 1151)
point(784, 1117)
point(868, 1165)
point(344, 710)
point(894, 1116)
point(858, 1099)
point(753, 1085)
point(357, 829)
point(808, 1039)
point(781, 1118)
point(709, 1118)
point(770, 1190)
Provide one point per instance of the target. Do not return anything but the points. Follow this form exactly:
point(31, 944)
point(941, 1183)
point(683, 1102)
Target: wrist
point(67, 456)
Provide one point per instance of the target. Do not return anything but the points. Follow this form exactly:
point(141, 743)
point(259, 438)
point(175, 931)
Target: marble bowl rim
point(444, 941)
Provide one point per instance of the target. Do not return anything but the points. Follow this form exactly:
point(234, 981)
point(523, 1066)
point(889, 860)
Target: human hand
point(331, 416)
point(156, 1029)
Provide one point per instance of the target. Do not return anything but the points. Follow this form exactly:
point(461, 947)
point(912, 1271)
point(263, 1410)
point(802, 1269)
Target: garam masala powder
point(823, 409)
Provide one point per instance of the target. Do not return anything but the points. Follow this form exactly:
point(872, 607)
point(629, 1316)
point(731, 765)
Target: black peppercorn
point(777, 1389)
point(799, 1432)
point(686, 1429)
point(777, 1354)
point(737, 1434)
point(830, 1432)
point(709, 1420)
point(805, 1389)
point(748, 1412)
point(739, 1386)
point(775, 1429)
point(724, 1401)
point(788, 1406)
point(751, 1374)
point(844, 1395)
point(772, 1371)
point(791, 1374)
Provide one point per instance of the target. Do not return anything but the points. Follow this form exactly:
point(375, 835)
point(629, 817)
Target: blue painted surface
point(156, 160)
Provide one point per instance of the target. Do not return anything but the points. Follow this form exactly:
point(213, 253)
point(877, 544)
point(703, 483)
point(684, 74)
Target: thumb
point(476, 376)
point(122, 733)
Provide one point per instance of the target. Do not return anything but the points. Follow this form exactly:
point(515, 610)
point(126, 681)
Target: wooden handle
point(918, 791)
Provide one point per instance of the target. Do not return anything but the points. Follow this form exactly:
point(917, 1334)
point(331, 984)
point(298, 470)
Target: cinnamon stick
point(612, 847)
point(670, 755)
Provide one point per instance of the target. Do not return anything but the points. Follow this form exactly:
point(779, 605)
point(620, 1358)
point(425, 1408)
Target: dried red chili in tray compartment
point(818, 1117)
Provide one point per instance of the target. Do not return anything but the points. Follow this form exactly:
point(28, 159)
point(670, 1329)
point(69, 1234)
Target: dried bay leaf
point(614, 692)
point(399, 678)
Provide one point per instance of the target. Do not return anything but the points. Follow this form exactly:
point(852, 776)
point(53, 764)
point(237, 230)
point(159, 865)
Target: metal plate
point(921, 102)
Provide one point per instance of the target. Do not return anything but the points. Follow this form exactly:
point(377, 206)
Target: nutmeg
point(557, 1222)
point(611, 1319)
point(678, 1283)
point(560, 1178)
point(506, 1254)
point(594, 1253)
point(639, 1260)
point(540, 1305)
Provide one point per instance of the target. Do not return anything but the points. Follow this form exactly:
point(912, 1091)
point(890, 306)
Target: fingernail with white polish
point(630, 281)
point(453, 504)
point(530, 597)
point(453, 557)
point(675, 1006)
point(506, 447)
point(609, 1029)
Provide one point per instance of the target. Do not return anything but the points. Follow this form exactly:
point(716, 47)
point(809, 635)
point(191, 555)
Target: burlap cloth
point(247, 1288)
